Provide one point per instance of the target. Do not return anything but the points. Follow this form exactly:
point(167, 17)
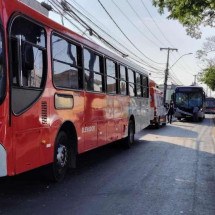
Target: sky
point(147, 31)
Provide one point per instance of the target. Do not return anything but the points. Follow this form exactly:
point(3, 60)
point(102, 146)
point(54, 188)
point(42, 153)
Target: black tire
point(179, 118)
point(129, 140)
point(195, 118)
point(201, 119)
point(58, 169)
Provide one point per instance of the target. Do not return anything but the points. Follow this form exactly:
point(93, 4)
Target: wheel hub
point(62, 155)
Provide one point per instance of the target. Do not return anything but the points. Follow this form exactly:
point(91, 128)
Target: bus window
point(111, 76)
point(28, 46)
point(123, 80)
point(93, 72)
point(138, 85)
point(66, 63)
point(28, 62)
point(145, 86)
point(131, 82)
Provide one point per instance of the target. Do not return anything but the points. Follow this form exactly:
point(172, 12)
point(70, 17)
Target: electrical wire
point(145, 63)
point(100, 36)
point(126, 35)
point(140, 18)
point(56, 10)
point(133, 24)
point(68, 11)
point(158, 27)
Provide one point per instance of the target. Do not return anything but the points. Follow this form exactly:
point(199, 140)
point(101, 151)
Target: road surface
point(168, 171)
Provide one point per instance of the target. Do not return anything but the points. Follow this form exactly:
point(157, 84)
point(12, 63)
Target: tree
point(206, 55)
point(208, 47)
point(208, 77)
point(190, 13)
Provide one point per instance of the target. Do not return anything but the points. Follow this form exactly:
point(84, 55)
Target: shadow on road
point(174, 130)
point(107, 177)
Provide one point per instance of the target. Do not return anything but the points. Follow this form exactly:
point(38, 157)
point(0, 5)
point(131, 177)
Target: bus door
point(111, 121)
point(94, 128)
point(28, 113)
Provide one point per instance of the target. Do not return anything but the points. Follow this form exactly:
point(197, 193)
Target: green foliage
point(208, 77)
point(190, 13)
point(206, 56)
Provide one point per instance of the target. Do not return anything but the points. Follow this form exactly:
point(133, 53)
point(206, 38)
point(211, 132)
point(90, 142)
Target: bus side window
point(123, 80)
point(28, 53)
point(93, 71)
point(145, 86)
point(28, 62)
point(132, 90)
point(111, 76)
point(139, 84)
point(67, 65)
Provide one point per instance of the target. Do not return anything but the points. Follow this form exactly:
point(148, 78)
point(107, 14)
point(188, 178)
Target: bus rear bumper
point(3, 161)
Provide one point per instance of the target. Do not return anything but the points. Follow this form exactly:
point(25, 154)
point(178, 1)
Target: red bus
point(61, 95)
point(158, 111)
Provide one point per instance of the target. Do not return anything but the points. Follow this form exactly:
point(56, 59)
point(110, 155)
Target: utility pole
point(194, 83)
point(166, 71)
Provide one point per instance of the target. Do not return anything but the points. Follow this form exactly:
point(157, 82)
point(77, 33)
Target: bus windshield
point(189, 99)
point(2, 75)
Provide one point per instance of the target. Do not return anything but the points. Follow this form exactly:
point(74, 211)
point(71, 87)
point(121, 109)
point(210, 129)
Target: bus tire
point(129, 140)
point(58, 168)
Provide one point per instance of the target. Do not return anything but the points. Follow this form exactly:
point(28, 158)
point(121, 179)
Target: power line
point(140, 18)
point(73, 15)
point(158, 27)
point(105, 32)
point(130, 52)
point(94, 32)
point(86, 26)
point(125, 34)
point(138, 29)
point(56, 10)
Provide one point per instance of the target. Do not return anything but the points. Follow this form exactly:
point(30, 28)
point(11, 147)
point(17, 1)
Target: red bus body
point(158, 111)
point(32, 114)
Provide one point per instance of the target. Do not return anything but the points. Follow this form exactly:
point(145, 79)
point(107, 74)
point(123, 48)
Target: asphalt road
point(168, 171)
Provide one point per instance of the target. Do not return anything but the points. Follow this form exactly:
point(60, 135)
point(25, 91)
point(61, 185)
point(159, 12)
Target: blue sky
point(146, 35)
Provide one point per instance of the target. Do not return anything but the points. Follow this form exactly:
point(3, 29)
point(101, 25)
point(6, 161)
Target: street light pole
point(166, 71)
point(180, 58)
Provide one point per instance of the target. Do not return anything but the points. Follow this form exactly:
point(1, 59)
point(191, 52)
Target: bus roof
point(188, 87)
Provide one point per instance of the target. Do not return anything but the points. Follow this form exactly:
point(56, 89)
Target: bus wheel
point(61, 158)
point(129, 140)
